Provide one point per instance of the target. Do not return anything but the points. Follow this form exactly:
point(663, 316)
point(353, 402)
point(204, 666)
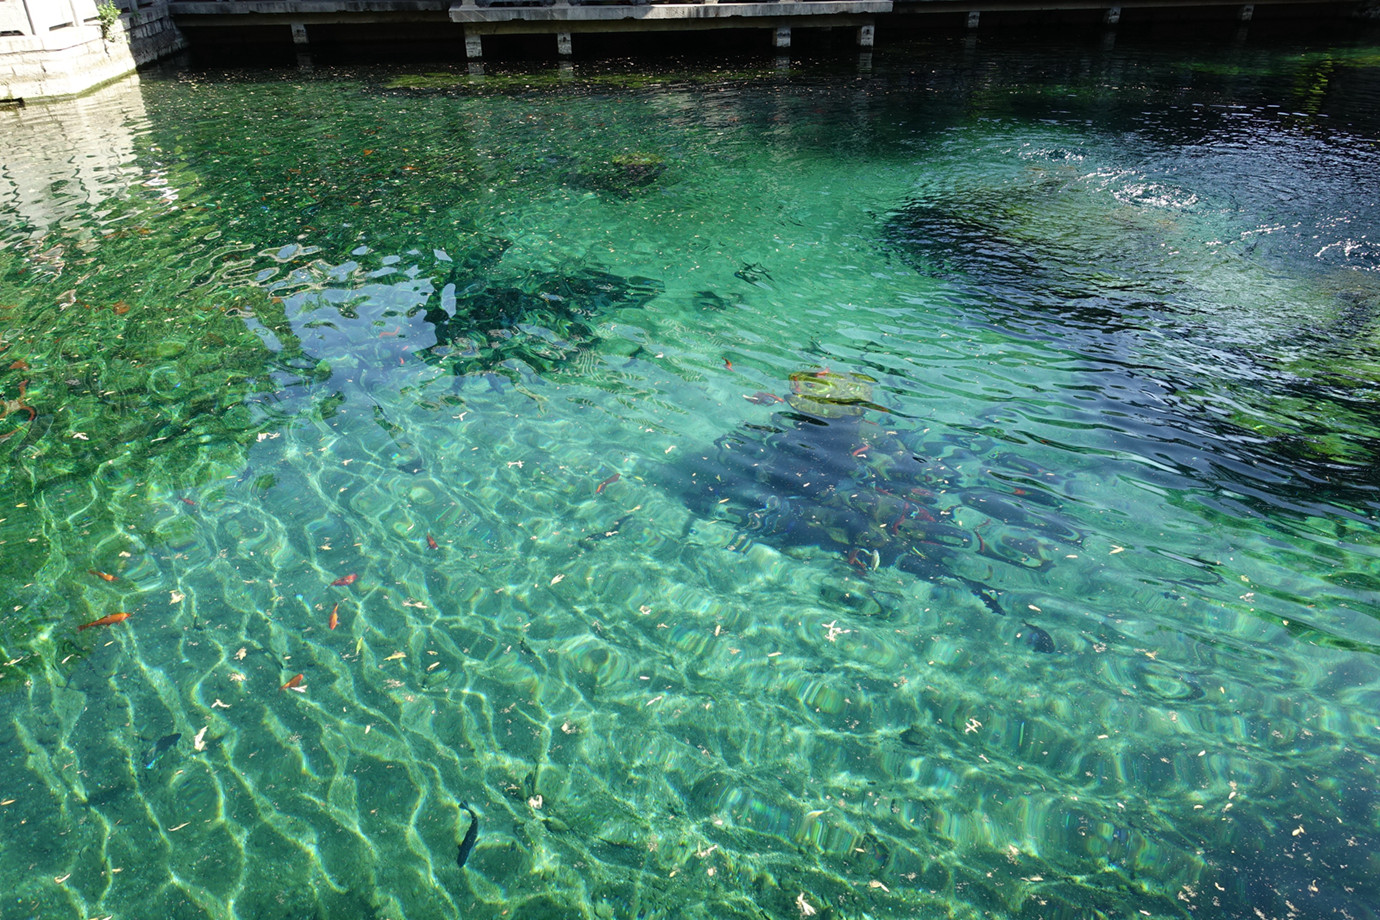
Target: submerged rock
point(621, 175)
point(542, 320)
point(823, 472)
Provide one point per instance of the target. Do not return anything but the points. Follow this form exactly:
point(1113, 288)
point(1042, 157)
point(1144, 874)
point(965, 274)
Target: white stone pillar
point(563, 44)
point(474, 47)
point(783, 37)
point(973, 18)
point(866, 35)
point(1245, 13)
point(1111, 16)
point(299, 33)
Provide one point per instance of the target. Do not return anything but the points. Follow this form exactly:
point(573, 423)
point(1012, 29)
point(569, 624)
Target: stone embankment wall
point(60, 48)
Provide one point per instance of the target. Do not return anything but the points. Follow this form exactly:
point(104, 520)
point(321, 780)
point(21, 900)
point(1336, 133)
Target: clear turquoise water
point(1117, 312)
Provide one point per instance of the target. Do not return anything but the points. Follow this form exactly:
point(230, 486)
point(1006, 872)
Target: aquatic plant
point(107, 15)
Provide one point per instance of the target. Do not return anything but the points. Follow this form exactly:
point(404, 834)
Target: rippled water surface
point(943, 487)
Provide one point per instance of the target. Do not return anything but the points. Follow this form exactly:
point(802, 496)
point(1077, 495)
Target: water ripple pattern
point(939, 489)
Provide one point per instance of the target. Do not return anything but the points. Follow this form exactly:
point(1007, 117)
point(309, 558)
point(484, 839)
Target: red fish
point(335, 617)
point(431, 541)
point(187, 501)
point(105, 575)
point(612, 479)
point(728, 364)
point(763, 398)
point(347, 580)
point(292, 683)
point(110, 620)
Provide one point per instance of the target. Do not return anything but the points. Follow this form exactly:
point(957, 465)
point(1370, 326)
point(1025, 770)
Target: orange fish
point(294, 681)
point(335, 617)
point(105, 621)
point(431, 541)
point(105, 575)
point(347, 580)
point(612, 479)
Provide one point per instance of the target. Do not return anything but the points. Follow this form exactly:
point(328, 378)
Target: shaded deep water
point(945, 489)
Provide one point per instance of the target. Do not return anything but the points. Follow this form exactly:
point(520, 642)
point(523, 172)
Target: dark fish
point(1038, 639)
point(471, 836)
point(913, 737)
point(753, 273)
point(103, 797)
point(590, 539)
point(162, 747)
point(708, 300)
point(980, 592)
